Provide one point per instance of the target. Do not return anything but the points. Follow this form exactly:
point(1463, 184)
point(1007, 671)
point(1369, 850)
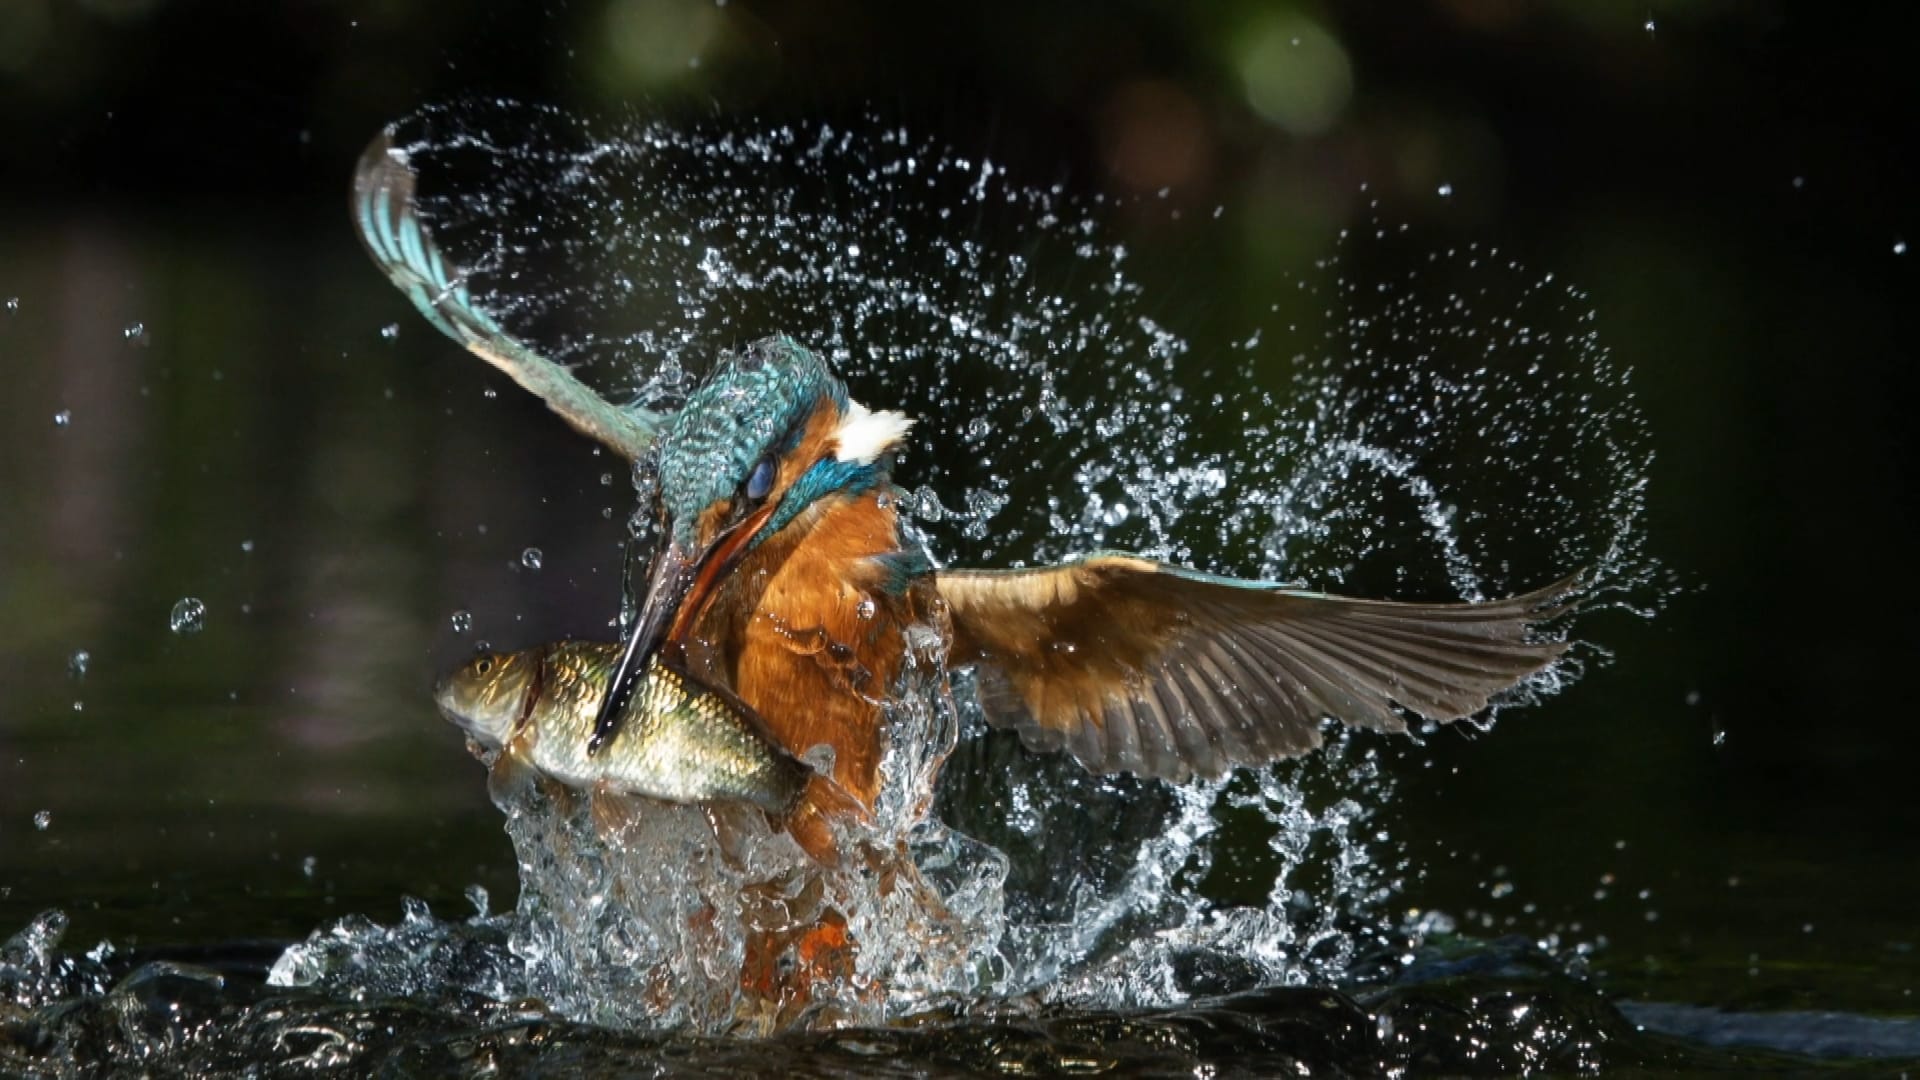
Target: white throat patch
point(864, 435)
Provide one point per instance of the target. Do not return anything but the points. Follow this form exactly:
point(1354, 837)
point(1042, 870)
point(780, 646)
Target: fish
point(683, 742)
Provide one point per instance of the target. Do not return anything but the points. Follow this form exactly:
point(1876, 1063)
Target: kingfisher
point(784, 574)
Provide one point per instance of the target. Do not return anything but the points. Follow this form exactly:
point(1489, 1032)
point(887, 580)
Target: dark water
point(1709, 837)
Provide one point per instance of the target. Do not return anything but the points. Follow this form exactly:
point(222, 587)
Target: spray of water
point(1408, 420)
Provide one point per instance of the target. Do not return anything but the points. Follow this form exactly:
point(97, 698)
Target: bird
point(785, 575)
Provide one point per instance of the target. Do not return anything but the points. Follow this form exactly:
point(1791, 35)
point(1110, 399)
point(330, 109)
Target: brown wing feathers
point(1130, 665)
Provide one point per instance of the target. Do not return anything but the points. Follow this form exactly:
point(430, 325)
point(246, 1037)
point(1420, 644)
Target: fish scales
point(682, 743)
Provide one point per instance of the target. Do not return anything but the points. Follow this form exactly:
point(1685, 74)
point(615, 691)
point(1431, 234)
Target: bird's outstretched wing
point(390, 226)
point(1135, 666)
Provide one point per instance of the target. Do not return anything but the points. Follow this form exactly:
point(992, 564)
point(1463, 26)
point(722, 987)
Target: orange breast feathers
point(806, 635)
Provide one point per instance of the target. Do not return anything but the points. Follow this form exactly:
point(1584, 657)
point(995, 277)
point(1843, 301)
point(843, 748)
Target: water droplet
point(1446, 191)
point(13, 304)
point(77, 663)
point(1899, 247)
point(462, 621)
point(189, 616)
point(135, 333)
point(489, 393)
point(63, 418)
point(477, 896)
point(42, 819)
point(390, 331)
point(308, 865)
point(1649, 26)
point(1799, 182)
point(246, 546)
point(927, 505)
point(820, 756)
point(43, 933)
point(1719, 736)
point(865, 608)
point(1116, 514)
point(532, 558)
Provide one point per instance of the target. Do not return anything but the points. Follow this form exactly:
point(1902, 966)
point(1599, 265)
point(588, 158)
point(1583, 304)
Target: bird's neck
point(809, 630)
point(835, 554)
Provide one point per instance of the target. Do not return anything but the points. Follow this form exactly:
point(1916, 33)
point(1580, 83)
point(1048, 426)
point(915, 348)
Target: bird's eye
point(760, 480)
point(483, 665)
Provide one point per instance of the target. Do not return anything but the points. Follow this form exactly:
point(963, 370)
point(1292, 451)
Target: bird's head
point(769, 436)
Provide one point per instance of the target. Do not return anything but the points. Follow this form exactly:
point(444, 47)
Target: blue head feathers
point(755, 403)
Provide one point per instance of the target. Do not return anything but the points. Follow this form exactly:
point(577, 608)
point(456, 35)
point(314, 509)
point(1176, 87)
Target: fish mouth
point(457, 719)
point(452, 714)
point(482, 724)
point(679, 585)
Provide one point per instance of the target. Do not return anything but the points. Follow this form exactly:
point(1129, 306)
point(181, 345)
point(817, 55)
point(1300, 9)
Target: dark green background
point(1729, 186)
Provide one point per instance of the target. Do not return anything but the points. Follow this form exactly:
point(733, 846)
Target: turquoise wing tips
point(393, 233)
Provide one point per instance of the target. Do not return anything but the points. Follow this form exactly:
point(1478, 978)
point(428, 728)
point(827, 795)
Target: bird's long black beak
point(679, 584)
point(669, 579)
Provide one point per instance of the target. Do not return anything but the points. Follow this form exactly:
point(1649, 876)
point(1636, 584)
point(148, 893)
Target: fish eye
point(760, 481)
point(483, 665)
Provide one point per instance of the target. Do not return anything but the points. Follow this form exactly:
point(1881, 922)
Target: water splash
point(1397, 387)
point(34, 973)
point(1404, 420)
point(1467, 1010)
point(652, 916)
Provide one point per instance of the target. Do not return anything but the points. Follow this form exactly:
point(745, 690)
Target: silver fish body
point(681, 742)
